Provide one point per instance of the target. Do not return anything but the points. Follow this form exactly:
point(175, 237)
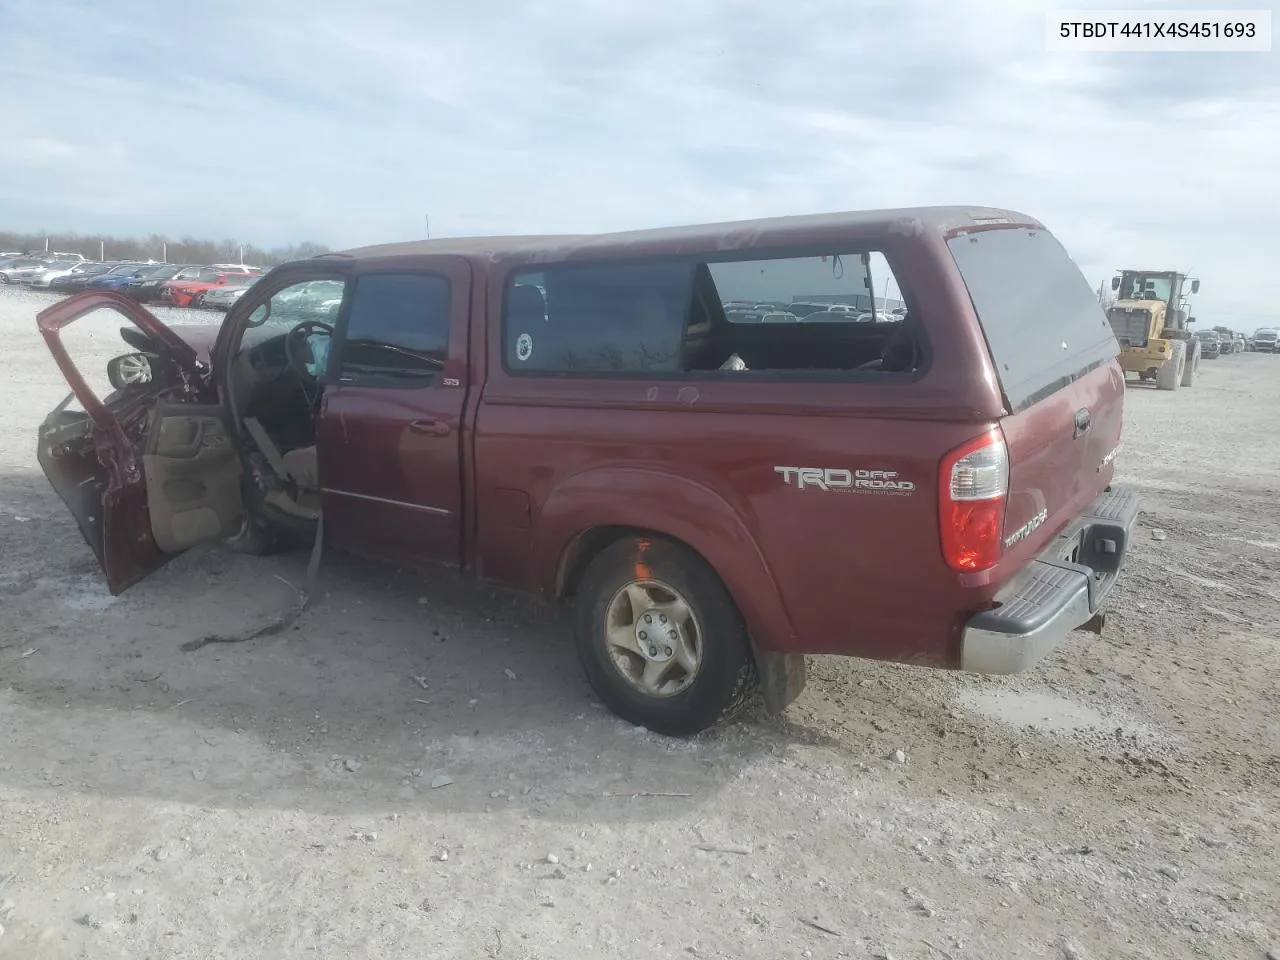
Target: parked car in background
point(116, 277)
point(148, 285)
point(78, 277)
point(184, 291)
point(238, 268)
point(22, 269)
point(43, 280)
point(1267, 340)
point(802, 309)
point(225, 297)
point(1233, 341)
point(760, 316)
point(1210, 344)
point(841, 315)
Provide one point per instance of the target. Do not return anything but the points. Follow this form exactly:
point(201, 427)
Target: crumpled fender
point(682, 508)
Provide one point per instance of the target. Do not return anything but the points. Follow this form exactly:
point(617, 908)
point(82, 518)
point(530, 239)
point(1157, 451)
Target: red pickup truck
point(579, 417)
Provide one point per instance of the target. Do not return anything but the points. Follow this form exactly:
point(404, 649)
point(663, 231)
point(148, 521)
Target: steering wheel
point(297, 347)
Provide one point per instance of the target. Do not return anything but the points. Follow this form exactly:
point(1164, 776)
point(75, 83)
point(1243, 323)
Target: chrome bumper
point(1061, 590)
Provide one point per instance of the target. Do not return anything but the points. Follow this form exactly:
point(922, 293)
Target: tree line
point(157, 247)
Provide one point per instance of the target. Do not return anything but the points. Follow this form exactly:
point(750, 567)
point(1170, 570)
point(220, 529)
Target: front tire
point(660, 640)
point(1169, 376)
point(1193, 364)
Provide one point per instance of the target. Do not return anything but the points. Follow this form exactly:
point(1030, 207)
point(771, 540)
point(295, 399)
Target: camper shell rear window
point(1043, 323)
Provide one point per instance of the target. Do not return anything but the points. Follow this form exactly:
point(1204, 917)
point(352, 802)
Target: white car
point(225, 297)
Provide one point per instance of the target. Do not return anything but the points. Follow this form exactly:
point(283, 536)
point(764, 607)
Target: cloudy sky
point(345, 122)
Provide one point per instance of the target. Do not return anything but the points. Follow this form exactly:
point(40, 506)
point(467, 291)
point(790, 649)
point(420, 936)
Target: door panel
point(193, 476)
point(91, 446)
point(390, 489)
point(67, 457)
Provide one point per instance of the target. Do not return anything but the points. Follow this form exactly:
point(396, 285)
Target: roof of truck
point(727, 235)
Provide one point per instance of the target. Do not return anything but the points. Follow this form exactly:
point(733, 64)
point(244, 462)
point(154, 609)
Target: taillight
point(973, 488)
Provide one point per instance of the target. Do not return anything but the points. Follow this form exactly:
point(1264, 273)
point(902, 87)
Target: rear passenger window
point(835, 314)
point(397, 330)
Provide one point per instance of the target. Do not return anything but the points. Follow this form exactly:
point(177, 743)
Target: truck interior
point(200, 476)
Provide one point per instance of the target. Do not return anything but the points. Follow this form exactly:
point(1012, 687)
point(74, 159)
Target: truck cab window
point(829, 315)
point(396, 331)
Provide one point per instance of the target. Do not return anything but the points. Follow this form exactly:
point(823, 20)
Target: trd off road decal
point(839, 479)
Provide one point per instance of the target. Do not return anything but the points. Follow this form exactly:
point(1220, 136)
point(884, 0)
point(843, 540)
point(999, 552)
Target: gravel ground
point(374, 782)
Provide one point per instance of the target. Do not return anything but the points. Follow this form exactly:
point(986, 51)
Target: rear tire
point(1169, 376)
point(1193, 364)
point(687, 701)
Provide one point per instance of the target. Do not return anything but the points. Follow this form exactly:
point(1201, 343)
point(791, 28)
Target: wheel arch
point(591, 510)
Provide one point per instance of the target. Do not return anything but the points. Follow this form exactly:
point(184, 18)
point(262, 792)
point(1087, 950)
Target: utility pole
point(102, 250)
point(426, 219)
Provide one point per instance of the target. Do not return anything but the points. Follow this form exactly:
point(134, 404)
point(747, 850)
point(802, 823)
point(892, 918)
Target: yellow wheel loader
point(1150, 320)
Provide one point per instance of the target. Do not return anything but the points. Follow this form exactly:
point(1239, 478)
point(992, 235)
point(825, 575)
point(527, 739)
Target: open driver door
point(140, 452)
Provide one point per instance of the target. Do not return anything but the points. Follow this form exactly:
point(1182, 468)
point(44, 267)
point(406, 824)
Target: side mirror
point(1195, 286)
point(1115, 283)
point(130, 370)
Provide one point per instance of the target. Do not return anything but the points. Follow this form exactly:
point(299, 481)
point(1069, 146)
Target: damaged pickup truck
point(580, 418)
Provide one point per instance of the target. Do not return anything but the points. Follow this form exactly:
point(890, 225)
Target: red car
point(580, 418)
point(187, 285)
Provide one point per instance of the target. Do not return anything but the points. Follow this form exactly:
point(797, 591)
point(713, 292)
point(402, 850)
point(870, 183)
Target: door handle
point(430, 428)
point(1084, 420)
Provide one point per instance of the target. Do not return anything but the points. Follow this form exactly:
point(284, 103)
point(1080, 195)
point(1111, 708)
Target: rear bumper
point(1059, 592)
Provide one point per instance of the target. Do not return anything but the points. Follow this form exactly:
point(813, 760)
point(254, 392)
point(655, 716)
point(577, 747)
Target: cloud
point(344, 124)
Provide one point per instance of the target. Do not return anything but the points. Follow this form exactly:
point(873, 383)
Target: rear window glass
point(1042, 321)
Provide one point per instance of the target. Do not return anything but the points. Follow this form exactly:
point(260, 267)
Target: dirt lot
point(287, 797)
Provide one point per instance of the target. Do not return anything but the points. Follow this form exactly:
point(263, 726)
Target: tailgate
point(1061, 457)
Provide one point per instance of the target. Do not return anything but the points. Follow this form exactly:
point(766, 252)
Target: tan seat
point(303, 466)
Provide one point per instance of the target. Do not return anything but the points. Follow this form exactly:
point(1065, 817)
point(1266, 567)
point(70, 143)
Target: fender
point(679, 507)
